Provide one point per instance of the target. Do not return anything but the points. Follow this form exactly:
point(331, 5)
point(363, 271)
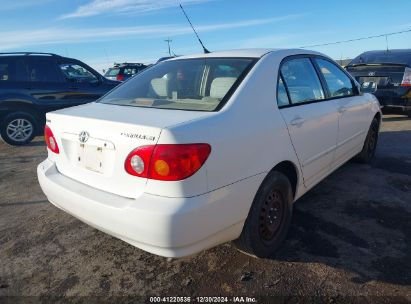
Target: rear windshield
point(187, 84)
point(133, 70)
point(112, 72)
point(383, 57)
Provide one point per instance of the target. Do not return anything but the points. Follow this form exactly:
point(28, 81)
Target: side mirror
point(368, 87)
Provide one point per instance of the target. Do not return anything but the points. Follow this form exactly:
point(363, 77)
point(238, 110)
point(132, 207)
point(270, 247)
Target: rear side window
point(301, 80)
point(5, 70)
point(282, 97)
point(338, 83)
point(37, 70)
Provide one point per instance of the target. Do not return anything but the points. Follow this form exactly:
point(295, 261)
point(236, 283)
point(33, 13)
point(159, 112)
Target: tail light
point(406, 79)
point(120, 77)
point(167, 162)
point(50, 140)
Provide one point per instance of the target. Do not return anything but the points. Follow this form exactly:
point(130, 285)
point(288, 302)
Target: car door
point(40, 79)
point(312, 120)
point(82, 84)
point(353, 110)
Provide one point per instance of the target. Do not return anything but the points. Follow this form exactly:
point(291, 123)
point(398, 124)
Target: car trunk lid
point(386, 76)
point(95, 140)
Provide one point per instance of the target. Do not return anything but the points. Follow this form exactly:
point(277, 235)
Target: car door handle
point(297, 121)
point(342, 109)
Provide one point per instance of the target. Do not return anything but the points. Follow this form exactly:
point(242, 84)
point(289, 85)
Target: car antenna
point(168, 43)
point(199, 40)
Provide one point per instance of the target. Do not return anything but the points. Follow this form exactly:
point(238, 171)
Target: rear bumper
point(171, 227)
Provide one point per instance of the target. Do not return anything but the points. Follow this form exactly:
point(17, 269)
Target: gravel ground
point(350, 239)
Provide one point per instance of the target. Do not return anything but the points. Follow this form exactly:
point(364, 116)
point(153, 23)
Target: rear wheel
point(269, 218)
point(409, 114)
point(368, 151)
point(18, 128)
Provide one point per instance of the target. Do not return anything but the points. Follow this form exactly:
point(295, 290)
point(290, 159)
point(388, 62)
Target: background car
point(123, 71)
point(389, 73)
point(32, 84)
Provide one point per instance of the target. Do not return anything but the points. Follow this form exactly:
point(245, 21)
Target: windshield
point(187, 84)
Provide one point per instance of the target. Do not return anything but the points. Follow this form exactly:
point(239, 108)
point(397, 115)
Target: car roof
point(247, 53)
point(400, 56)
point(36, 55)
point(126, 64)
point(394, 51)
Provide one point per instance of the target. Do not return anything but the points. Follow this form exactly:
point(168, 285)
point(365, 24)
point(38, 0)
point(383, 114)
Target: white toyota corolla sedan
point(204, 149)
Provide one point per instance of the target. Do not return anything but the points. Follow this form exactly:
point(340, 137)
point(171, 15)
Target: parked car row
point(32, 84)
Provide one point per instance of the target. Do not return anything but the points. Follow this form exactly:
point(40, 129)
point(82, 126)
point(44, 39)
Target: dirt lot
point(350, 236)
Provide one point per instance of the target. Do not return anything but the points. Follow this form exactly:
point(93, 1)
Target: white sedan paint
point(248, 136)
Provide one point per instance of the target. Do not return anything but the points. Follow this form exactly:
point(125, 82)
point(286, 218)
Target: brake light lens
point(120, 77)
point(138, 161)
point(167, 162)
point(50, 140)
point(406, 79)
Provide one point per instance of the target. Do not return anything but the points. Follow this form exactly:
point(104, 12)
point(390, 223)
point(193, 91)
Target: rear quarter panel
point(248, 136)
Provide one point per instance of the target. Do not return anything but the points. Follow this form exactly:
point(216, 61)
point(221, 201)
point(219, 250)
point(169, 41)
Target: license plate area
point(380, 81)
point(91, 157)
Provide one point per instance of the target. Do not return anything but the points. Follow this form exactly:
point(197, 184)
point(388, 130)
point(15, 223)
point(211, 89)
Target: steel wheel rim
point(19, 129)
point(271, 215)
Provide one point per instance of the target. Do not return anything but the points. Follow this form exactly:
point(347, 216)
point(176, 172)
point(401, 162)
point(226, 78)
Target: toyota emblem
point(371, 74)
point(83, 136)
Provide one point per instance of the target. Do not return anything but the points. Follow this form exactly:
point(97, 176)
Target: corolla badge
point(83, 136)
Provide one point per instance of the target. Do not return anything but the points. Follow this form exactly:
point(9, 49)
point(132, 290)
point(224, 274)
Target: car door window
point(282, 97)
point(301, 80)
point(37, 70)
point(5, 70)
point(338, 83)
point(77, 73)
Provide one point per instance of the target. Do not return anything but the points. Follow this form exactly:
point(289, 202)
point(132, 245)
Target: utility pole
point(168, 43)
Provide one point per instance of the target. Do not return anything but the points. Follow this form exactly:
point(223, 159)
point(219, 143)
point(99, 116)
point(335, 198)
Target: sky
point(101, 32)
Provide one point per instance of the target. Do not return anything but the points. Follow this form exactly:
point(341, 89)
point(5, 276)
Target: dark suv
point(123, 71)
point(32, 84)
point(389, 72)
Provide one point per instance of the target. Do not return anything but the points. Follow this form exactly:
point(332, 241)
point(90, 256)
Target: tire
point(409, 114)
point(370, 144)
point(18, 128)
point(265, 229)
